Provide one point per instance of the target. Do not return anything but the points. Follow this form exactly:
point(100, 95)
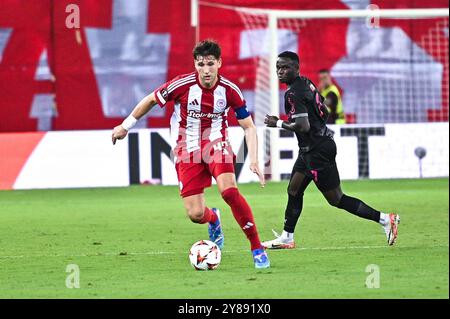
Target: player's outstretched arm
point(301, 124)
point(252, 143)
point(142, 108)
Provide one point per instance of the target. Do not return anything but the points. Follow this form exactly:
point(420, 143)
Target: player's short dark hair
point(207, 47)
point(290, 55)
point(324, 71)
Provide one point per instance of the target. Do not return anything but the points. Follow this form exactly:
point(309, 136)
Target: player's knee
point(225, 186)
point(195, 215)
point(335, 201)
point(292, 191)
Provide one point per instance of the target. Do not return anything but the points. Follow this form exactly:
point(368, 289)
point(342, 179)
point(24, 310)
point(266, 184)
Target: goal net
point(391, 66)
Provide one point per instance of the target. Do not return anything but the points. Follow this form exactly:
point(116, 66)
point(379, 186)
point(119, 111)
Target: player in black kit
point(307, 117)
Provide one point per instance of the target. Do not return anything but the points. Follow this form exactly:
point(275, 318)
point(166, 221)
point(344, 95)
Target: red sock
point(243, 215)
point(208, 216)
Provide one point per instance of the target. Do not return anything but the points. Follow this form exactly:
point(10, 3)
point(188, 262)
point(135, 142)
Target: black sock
point(292, 212)
point(359, 208)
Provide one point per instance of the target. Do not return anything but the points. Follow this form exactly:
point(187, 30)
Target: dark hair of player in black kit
point(290, 55)
point(207, 47)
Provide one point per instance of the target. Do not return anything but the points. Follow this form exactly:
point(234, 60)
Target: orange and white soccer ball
point(205, 255)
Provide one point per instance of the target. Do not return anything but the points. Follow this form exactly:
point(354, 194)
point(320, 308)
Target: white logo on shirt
point(198, 115)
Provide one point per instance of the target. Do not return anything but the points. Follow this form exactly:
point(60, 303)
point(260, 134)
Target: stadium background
point(124, 49)
point(57, 80)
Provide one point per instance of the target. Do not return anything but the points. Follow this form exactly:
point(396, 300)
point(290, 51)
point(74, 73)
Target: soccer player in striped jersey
point(199, 124)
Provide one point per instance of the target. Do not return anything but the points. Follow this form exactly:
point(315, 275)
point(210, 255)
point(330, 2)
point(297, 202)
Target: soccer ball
point(205, 255)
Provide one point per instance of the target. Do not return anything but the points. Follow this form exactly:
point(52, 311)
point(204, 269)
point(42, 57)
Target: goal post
point(274, 16)
point(281, 27)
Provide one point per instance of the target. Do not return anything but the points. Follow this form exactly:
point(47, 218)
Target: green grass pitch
point(133, 243)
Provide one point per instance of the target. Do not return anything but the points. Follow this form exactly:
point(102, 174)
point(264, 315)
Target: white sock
point(285, 236)
point(384, 219)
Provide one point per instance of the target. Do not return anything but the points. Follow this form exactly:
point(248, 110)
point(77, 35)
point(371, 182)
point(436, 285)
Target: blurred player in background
point(202, 151)
point(307, 116)
point(332, 98)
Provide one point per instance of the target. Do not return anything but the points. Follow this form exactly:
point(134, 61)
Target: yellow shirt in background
point(339, 108)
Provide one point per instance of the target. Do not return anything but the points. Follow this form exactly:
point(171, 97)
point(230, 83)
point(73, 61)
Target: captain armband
point(242, 113)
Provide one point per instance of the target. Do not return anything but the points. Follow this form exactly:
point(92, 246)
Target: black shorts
point(319, 165)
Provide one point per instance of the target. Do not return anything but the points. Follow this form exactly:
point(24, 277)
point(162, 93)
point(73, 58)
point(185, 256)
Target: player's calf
point(243, 215)
point(196, 216)
point(203, 216)
point(357, 207)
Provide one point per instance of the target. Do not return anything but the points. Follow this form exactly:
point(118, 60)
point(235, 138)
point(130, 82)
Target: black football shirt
point(303, 99)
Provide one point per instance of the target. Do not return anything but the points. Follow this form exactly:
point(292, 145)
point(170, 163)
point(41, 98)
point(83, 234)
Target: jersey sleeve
point(236, 101)
point(297, 104)
point(168, 91)
point(235, 98)
point(162, 94)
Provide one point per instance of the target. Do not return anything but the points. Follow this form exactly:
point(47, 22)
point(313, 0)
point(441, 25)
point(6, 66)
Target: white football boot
point(391, 228)
point(279, 242)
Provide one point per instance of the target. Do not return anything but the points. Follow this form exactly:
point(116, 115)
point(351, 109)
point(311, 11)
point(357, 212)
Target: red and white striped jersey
point(200, 114)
